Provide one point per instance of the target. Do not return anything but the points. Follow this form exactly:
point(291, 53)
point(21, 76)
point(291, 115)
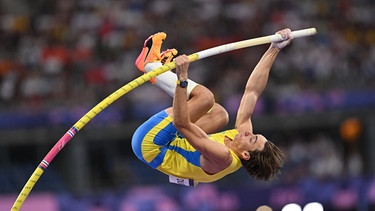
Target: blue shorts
point(150, 141)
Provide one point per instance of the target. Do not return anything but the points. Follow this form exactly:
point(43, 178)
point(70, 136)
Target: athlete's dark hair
point(264, 164)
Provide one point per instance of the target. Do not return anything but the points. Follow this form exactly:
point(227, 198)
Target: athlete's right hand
point(182, 66)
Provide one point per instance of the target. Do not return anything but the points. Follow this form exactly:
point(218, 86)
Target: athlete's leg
point(214, 120)
point(203, 110)
point(202, 106)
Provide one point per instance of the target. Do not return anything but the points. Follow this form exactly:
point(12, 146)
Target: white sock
point(167, 80)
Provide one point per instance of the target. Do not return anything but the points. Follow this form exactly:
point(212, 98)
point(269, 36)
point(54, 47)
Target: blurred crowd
point(67, 52)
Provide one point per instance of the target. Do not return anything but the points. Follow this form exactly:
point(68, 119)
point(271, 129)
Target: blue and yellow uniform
point(158, 144)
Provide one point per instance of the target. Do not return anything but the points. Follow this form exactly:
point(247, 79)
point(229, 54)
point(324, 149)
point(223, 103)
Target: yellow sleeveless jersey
point(183, 161)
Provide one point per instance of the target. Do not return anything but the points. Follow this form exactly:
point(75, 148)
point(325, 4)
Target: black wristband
point(182, 84)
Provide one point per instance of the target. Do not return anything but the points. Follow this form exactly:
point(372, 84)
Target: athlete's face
point(248, 142)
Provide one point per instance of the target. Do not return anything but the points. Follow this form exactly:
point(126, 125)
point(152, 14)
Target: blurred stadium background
point(59, 58)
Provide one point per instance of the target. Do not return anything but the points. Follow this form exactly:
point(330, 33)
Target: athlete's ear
point(245, 155)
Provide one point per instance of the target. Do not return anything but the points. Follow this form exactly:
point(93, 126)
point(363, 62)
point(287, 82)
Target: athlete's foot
point(168, 55)
point(150, 51)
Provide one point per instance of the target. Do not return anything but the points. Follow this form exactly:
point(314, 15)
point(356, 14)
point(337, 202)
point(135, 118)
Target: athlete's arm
point(257, 82)
point(212, 152)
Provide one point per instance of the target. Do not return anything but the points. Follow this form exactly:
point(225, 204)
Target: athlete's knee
point(203, 95)
point(221, 114)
